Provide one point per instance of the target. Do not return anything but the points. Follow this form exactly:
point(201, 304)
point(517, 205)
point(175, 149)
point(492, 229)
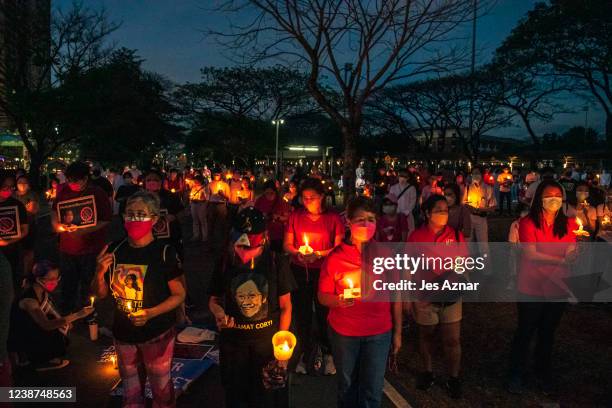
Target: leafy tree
point(571, 40)
point(37, 66)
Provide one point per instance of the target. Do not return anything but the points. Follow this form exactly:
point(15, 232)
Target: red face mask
point(138, 229)
point(49, 286)
point(76, 187)
point(5, 194)
point(364, 231)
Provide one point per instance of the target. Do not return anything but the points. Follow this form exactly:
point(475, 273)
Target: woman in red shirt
point(323, 230)
point(448, 313)
point(361, 333)
point(542, 292)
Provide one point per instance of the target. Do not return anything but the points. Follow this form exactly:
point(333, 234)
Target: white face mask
point(552, 203)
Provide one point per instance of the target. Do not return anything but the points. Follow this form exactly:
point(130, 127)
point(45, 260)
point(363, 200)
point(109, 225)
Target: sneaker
point(330, 367)
point(54, 364)
point(301, 367)
point(453, 385)
point(425, 380)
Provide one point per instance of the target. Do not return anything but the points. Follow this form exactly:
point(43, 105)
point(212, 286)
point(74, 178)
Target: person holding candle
point(30, 200)
point(143, 323)
point(542, 292)
point(276, 211)
point(12, 247)
point(78, 247)
point(174, 207)
point(505, 181)
point(217, 211)
point(362, 334)
point(446, 312)
point(198, 202)
point(604, 217)
point(251, 300)
point(480, 200)
point(322, 230)
point(584, 211)
point(37, 331)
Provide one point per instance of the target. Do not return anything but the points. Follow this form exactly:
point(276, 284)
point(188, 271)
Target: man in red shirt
point(79, 246)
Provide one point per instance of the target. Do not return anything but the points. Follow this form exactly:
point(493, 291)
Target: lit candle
point(351, 292)
point(114, 361)
point(283, 343)
point(173, 191)
point(580, 232)
point(305, 249)
point(128, 305)
point(92, 300)
point(606, 220)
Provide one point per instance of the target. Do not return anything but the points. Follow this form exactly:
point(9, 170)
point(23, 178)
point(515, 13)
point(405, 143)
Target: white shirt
point(407, 201)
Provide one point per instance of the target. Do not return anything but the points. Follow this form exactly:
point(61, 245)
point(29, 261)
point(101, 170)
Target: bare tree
point(360, 46)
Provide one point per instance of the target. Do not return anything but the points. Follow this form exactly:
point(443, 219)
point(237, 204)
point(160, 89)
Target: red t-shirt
point(321, 233)
point(85, 243)
point(391, 231)
point(363, 318)
point(277, 207)
point(424, 234)
point(539, 278)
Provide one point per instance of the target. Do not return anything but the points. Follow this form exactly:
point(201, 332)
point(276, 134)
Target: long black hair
point(535, 212)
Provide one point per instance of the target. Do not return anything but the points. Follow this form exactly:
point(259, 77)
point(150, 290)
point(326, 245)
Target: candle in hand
point(92, 300)
point(114, 361)
point(128, 305)
point(580, 232)
point(351, 292)
point(305, 249)
point(283, 342)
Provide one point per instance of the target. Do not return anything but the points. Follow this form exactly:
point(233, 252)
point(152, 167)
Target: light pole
point(277, 122)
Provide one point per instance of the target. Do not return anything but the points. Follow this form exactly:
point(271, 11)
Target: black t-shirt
point(23, 219)
point(123, 193)
point(251, 295)
point(104, 184)
point(139, 277)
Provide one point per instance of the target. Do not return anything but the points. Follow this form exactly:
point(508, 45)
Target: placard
point(78, 212)
point(10, 226)
point(161, 229)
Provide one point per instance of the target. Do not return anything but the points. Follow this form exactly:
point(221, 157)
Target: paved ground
point(94, 380)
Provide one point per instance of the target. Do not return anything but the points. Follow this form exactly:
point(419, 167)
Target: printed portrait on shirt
point(250, 292)
point(128, 281)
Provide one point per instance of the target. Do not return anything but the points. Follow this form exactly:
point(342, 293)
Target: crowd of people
point(282, 254)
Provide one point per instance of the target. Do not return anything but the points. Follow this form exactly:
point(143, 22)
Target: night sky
point(169, 36)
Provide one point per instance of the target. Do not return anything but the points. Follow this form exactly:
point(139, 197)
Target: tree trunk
point(36, 163)
point(609, 131)
point(349, 136)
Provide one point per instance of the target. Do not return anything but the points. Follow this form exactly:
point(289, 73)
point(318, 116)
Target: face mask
point(450, 200)
point(439, 218)
point(76, 187)
point(138, 229)
point(49, 286)
point(5, 194)
point(364, 231)
point(552, 203)
point(477, 178)
point(582, 195)
point(389, 209)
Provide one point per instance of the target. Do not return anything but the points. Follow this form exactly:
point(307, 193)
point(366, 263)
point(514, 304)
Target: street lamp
point(277, 122)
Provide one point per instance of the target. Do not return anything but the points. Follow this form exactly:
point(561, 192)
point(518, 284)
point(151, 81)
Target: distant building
point(25, 37)
point(449, 142)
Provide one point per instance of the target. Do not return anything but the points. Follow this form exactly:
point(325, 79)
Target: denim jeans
point(361, 363)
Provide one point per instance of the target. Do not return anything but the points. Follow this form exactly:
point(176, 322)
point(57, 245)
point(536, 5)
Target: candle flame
point(579, 222)
point(350, 282)
point(129, 306)
point(285, 346)
point(305, 240)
